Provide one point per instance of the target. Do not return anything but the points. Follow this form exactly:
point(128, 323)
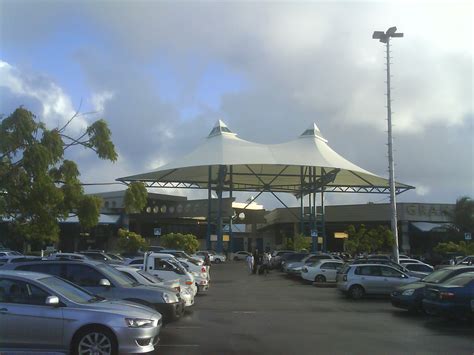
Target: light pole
point(384, 37)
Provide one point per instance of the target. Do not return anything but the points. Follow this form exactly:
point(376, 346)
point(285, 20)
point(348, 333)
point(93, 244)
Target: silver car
point(374, 279)
point(42, 312)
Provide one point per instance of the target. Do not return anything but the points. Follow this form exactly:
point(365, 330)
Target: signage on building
point(431, 211)
point(156, 232)
point(467, 236)
point(314, 233)
point(341, 235)
point(213, 237)
point(225, 238)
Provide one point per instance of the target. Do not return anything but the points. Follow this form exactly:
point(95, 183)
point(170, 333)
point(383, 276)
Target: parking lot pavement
point(254, 314)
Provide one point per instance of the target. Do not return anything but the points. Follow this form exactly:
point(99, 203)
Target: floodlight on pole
point(384, 37)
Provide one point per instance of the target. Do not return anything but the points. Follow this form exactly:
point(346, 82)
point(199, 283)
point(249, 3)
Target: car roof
point(31, 275)
point(61, 261)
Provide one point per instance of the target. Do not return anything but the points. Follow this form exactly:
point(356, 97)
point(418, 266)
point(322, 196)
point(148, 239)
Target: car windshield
point(437, 276)
point(69, 290)
point(149, 277)
point(114, 275)
point(461, 280)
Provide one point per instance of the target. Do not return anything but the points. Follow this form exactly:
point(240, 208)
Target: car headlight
point(139, 322)
point(408, 292)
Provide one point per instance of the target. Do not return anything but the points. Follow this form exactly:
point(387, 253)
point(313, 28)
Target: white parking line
point(244, 312)
point(183, 327)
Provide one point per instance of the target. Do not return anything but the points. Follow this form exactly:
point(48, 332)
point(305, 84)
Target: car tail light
point(446, 295)
point(203, 269)
point(189, 282)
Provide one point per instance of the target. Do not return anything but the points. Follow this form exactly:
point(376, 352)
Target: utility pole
point(384, 37)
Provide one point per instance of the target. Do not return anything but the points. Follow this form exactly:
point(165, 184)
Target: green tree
point(135, 197)
point(300, 242)
point(363, 240)
point(38, 186)
point(131, 242)
point(186, 242)
point(462, 247)
point(462, 218)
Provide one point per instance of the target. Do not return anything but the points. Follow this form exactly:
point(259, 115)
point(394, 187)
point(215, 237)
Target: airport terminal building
point(421, 225)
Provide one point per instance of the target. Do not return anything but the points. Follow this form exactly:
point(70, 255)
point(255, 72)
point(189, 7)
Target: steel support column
point(231, 238)
point(301, 202)
point(209, 200)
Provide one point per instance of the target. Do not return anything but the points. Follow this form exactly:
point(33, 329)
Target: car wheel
point(236, 258)
point(95, 341)
point(217, 261)
point(356, 292)
point(320, 279)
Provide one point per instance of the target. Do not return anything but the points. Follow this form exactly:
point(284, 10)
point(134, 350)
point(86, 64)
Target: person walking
point(250, 262)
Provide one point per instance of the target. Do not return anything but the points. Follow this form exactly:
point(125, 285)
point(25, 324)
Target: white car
point(148, 279)
point(168, 267)
point(322, 271)
point(409, 261)
point(213, 256)
point(240, 255)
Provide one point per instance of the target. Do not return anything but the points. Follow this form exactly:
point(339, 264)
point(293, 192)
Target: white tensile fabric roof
point(255, 166)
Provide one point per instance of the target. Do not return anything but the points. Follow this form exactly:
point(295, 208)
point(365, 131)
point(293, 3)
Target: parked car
point(410, 297)
point(467, 261)
point(103, 280)
point(294, 268)
point(411, 261)
point(18, 259)
point(180, 254)
point(167, 267)
point(46, 313)
point(418, 269)
point(99, 256)
point(277, 258)
point(144, 278)
point(68, 256)
point(9, 253)
point(213, 256)
point(453, 298)
point(240, 255)
point(321, 271)
point(371, 279)
point(291, 258)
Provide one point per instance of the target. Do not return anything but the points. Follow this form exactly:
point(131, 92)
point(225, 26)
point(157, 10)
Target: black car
point(411, 296)
point(104, 280)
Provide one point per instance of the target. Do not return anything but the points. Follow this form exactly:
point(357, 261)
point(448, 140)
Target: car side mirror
point(52, 301)
point(104, 283)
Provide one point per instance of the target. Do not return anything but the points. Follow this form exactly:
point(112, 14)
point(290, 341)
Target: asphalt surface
point(253, 314)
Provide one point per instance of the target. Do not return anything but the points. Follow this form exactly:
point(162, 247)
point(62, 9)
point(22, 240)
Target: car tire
point(92, 336)
point(356, 292)
point(217, 261)
point(320, 279)
point(236, 258)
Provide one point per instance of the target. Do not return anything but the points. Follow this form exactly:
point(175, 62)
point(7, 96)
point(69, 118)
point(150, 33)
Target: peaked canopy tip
point(313, 131)
point(219, 128)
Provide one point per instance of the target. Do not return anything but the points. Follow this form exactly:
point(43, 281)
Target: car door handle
point(3, 310)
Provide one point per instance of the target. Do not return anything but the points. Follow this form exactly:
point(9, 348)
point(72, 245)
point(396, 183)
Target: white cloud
point(99, 100)
point(57, 107)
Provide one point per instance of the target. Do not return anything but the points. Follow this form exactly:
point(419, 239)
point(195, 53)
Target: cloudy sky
point(162, 72)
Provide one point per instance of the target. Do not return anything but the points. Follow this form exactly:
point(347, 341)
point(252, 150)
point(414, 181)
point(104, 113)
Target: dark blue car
point(411, 296)
point(453, 299)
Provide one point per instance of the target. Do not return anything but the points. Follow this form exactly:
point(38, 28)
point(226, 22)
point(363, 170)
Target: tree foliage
point(131, 242)
point(462, 217)
point(135, 197)
point(464, 248)
point(38, 185)
point(363, 240)
point(186, 242)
